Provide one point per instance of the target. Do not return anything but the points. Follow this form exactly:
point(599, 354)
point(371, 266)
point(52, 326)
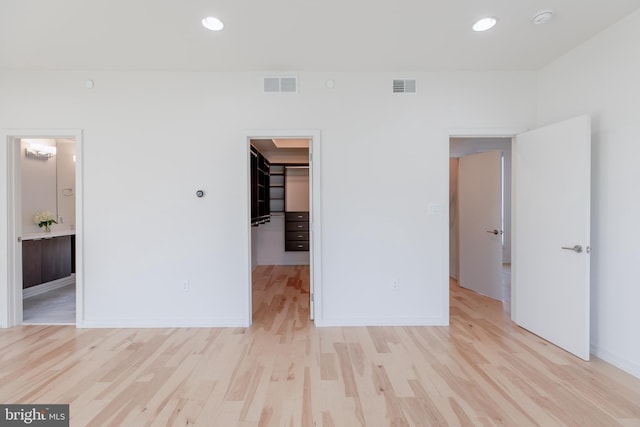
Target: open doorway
point(48, 212)
point(281, 238)
point(549, 254)
point(480, 249)
point(44, 263)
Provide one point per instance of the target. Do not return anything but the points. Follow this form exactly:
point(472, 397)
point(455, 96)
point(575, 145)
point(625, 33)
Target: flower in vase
point(44, 219)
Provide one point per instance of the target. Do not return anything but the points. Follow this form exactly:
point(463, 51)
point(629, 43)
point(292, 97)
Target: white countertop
point(48, 234)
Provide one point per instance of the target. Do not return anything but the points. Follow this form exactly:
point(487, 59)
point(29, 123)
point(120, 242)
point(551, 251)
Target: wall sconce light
point(40, 152)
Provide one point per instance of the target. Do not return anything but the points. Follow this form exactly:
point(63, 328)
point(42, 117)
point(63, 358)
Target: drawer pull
point(299, 236)
point(300, 246)
point(300, 216)
point(300, 225)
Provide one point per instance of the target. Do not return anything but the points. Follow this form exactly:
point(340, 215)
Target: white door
point(551, 228)
point(480, 213)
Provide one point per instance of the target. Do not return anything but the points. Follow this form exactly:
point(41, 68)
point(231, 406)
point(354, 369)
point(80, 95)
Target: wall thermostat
point(200, 193)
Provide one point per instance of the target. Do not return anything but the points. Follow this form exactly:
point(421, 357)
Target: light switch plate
point(435, 209)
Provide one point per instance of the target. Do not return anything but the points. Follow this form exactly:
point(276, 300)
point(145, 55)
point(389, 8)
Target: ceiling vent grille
point(280, 85)
point(405, 86)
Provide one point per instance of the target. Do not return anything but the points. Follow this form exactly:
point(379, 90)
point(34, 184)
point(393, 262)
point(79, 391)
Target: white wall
point(152, 139)
point(254, 247)
point(601, 78)
point(454, 220)
point(66, 183)
point(296, 187)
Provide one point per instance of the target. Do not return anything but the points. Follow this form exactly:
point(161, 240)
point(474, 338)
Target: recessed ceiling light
point(212, 23)
point(542, 17)
point(484, 24)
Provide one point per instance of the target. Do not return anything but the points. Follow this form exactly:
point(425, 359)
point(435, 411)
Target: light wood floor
point(480, 371)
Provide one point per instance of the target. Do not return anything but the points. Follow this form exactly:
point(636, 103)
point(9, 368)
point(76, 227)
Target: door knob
point(495, 232)
point(577, 248)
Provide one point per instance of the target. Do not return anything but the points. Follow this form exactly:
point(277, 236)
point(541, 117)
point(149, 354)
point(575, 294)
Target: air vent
point(405, 86)
point(280, 85)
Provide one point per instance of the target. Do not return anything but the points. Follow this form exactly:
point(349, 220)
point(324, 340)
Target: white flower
point(44, 218)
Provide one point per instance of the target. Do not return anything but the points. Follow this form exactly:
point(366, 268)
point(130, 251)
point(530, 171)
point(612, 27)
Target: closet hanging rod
point(297, 167)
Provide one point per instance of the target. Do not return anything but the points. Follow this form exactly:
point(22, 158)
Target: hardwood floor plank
point(482, 370)
point(328, 369)
point(425, 410)
point(307, 412)
point(327, 420)
point(394, 414)
point(463, 419)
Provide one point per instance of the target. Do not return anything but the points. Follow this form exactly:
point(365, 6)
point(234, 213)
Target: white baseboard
point(49, 286)
point(163, 323)
point(409, 321)
point(619, 362)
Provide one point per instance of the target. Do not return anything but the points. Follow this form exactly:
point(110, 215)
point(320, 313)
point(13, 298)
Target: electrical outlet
point(185, 286)
point(395, 284)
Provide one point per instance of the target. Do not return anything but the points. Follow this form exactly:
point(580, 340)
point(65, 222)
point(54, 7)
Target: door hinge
point(311, 297)
point(310, 156)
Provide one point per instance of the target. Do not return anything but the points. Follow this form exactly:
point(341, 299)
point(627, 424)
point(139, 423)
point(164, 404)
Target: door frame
point(315, 215)
point(485, 133)
point(11, 224)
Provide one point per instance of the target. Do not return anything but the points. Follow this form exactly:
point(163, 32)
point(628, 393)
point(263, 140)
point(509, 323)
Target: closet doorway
point(283, 189)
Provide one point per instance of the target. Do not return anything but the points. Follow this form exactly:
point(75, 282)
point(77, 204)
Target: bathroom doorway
point(47, 188)
point(44, 199)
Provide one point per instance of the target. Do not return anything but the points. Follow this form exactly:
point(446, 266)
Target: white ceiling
point(297, 153)
point(295, 35)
